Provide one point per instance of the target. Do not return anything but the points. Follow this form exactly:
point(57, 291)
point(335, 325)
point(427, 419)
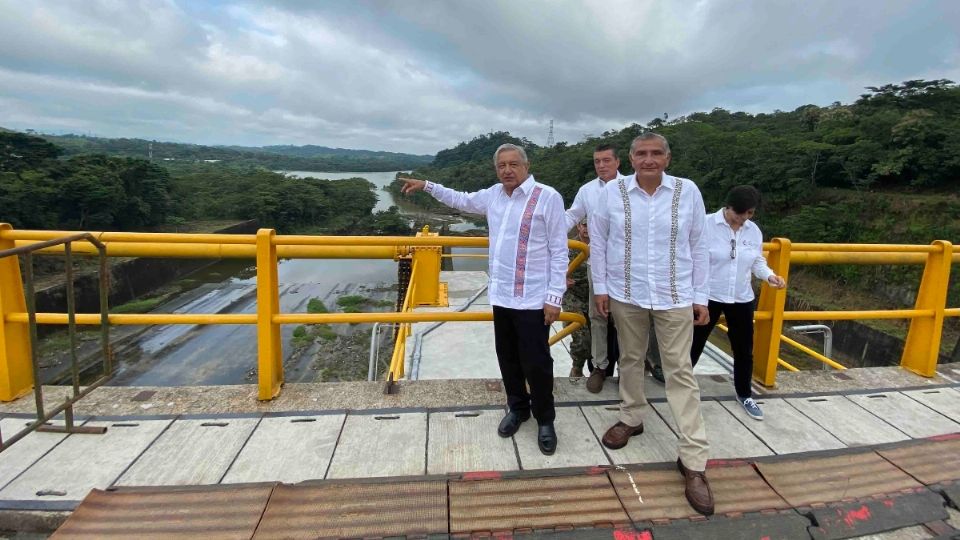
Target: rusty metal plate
point(215, 512)
point(652, 494)
point(355, 510)
point(803, 482)
point(928, 462)
point(532, 503)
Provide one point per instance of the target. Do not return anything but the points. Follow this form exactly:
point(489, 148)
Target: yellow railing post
point(269, 350)
point(922, 348)
point(428, 291)
point(766, 334)
point(16, 371)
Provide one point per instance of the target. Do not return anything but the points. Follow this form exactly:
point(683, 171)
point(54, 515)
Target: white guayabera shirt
point(650, 250)
point(585, 203)
point(733, 256)
point(528, 243)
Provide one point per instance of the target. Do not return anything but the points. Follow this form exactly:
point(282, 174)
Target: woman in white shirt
point(736, 251)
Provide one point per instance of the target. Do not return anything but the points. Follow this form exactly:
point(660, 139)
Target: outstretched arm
point(475, 203)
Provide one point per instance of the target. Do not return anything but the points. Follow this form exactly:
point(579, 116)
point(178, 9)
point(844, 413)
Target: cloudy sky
point(419, 76)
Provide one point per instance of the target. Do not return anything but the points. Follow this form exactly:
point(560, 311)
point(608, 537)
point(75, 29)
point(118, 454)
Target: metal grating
point(822, 480)
point(928, 462)
point(355, 510)
point(532, 503)
point(209, 512)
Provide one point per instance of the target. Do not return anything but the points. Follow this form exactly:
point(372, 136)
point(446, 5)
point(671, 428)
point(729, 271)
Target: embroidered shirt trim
point(523, 240)
point(674, 233)
point(627, 237)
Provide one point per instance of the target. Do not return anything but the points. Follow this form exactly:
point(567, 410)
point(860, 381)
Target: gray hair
point(507, 146)
point(648, 136)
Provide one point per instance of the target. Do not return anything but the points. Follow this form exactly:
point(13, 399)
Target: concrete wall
point(129, 279)
point(872, 347)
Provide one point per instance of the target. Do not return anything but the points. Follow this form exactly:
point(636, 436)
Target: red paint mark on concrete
point(853, 516)
point(764, 538)
point(482, 475)
point(888, 503)
point(632, 535)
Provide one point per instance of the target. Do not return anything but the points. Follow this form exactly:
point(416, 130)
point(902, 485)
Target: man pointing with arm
point(527, 272)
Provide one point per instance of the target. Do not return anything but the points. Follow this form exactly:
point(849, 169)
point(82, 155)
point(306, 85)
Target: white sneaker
point(752, 408)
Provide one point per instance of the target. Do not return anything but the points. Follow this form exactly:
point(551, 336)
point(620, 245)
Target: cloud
point(419, 76)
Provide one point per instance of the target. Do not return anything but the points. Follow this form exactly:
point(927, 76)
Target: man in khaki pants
point(650, 261)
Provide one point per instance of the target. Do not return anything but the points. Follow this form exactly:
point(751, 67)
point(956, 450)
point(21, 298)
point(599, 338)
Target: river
point(226, 354)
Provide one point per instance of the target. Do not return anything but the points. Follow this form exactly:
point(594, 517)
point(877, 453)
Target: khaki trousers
point(674, 330)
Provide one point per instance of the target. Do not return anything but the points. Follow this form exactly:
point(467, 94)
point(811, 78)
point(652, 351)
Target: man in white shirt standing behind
point(650, 260)
point(528, 276)
point(607, 165)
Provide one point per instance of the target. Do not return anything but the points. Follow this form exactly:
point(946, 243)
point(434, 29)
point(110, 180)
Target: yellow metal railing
point(16, 373)
point(920, 352)
point(922, 348)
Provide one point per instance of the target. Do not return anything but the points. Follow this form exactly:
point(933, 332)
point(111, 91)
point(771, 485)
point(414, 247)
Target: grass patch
point(326, 333)
point(315, 305)
point(352, 300)
point(139, 306)
point(302, 337)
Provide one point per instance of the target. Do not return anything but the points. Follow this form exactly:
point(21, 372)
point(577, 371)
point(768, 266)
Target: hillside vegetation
point(883, 169)
point(42, 186)
point(289, 158)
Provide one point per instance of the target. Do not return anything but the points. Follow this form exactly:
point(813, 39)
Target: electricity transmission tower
point(550, 136)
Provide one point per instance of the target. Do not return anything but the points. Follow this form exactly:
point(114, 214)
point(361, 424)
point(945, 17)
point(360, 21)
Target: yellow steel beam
point(859, 258)
point(780, 361)
point(865, 248)
point(832, 363)
point(854, 315)
point(444, 241)
point(16, 368)
point(221, 251)
point(269, 346)
point(130, 237)
point(767, 331)
point(921, 350)
point(136, 319)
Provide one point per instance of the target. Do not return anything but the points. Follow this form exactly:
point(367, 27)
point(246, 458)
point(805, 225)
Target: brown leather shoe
point(619, 435)
point(576, 373)
point(697, 489)
point(595, 381)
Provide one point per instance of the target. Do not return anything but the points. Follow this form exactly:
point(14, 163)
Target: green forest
point(286, 157)
point(43, 187)
point(883, 169)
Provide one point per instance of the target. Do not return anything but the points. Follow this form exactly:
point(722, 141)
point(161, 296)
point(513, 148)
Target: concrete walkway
point(45, 476)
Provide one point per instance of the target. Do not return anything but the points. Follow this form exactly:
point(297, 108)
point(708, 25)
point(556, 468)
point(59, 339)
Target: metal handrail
point(44, 417)
point(267, 248)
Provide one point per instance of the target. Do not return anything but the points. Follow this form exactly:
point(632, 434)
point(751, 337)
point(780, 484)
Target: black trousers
point(613, 349)
point(524, 357)
point(740, 331)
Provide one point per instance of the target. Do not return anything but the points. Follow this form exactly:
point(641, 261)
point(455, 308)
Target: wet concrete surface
point(189, 355)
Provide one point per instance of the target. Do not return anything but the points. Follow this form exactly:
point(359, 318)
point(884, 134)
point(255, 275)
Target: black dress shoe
point(511, 423)
point(547, 439)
